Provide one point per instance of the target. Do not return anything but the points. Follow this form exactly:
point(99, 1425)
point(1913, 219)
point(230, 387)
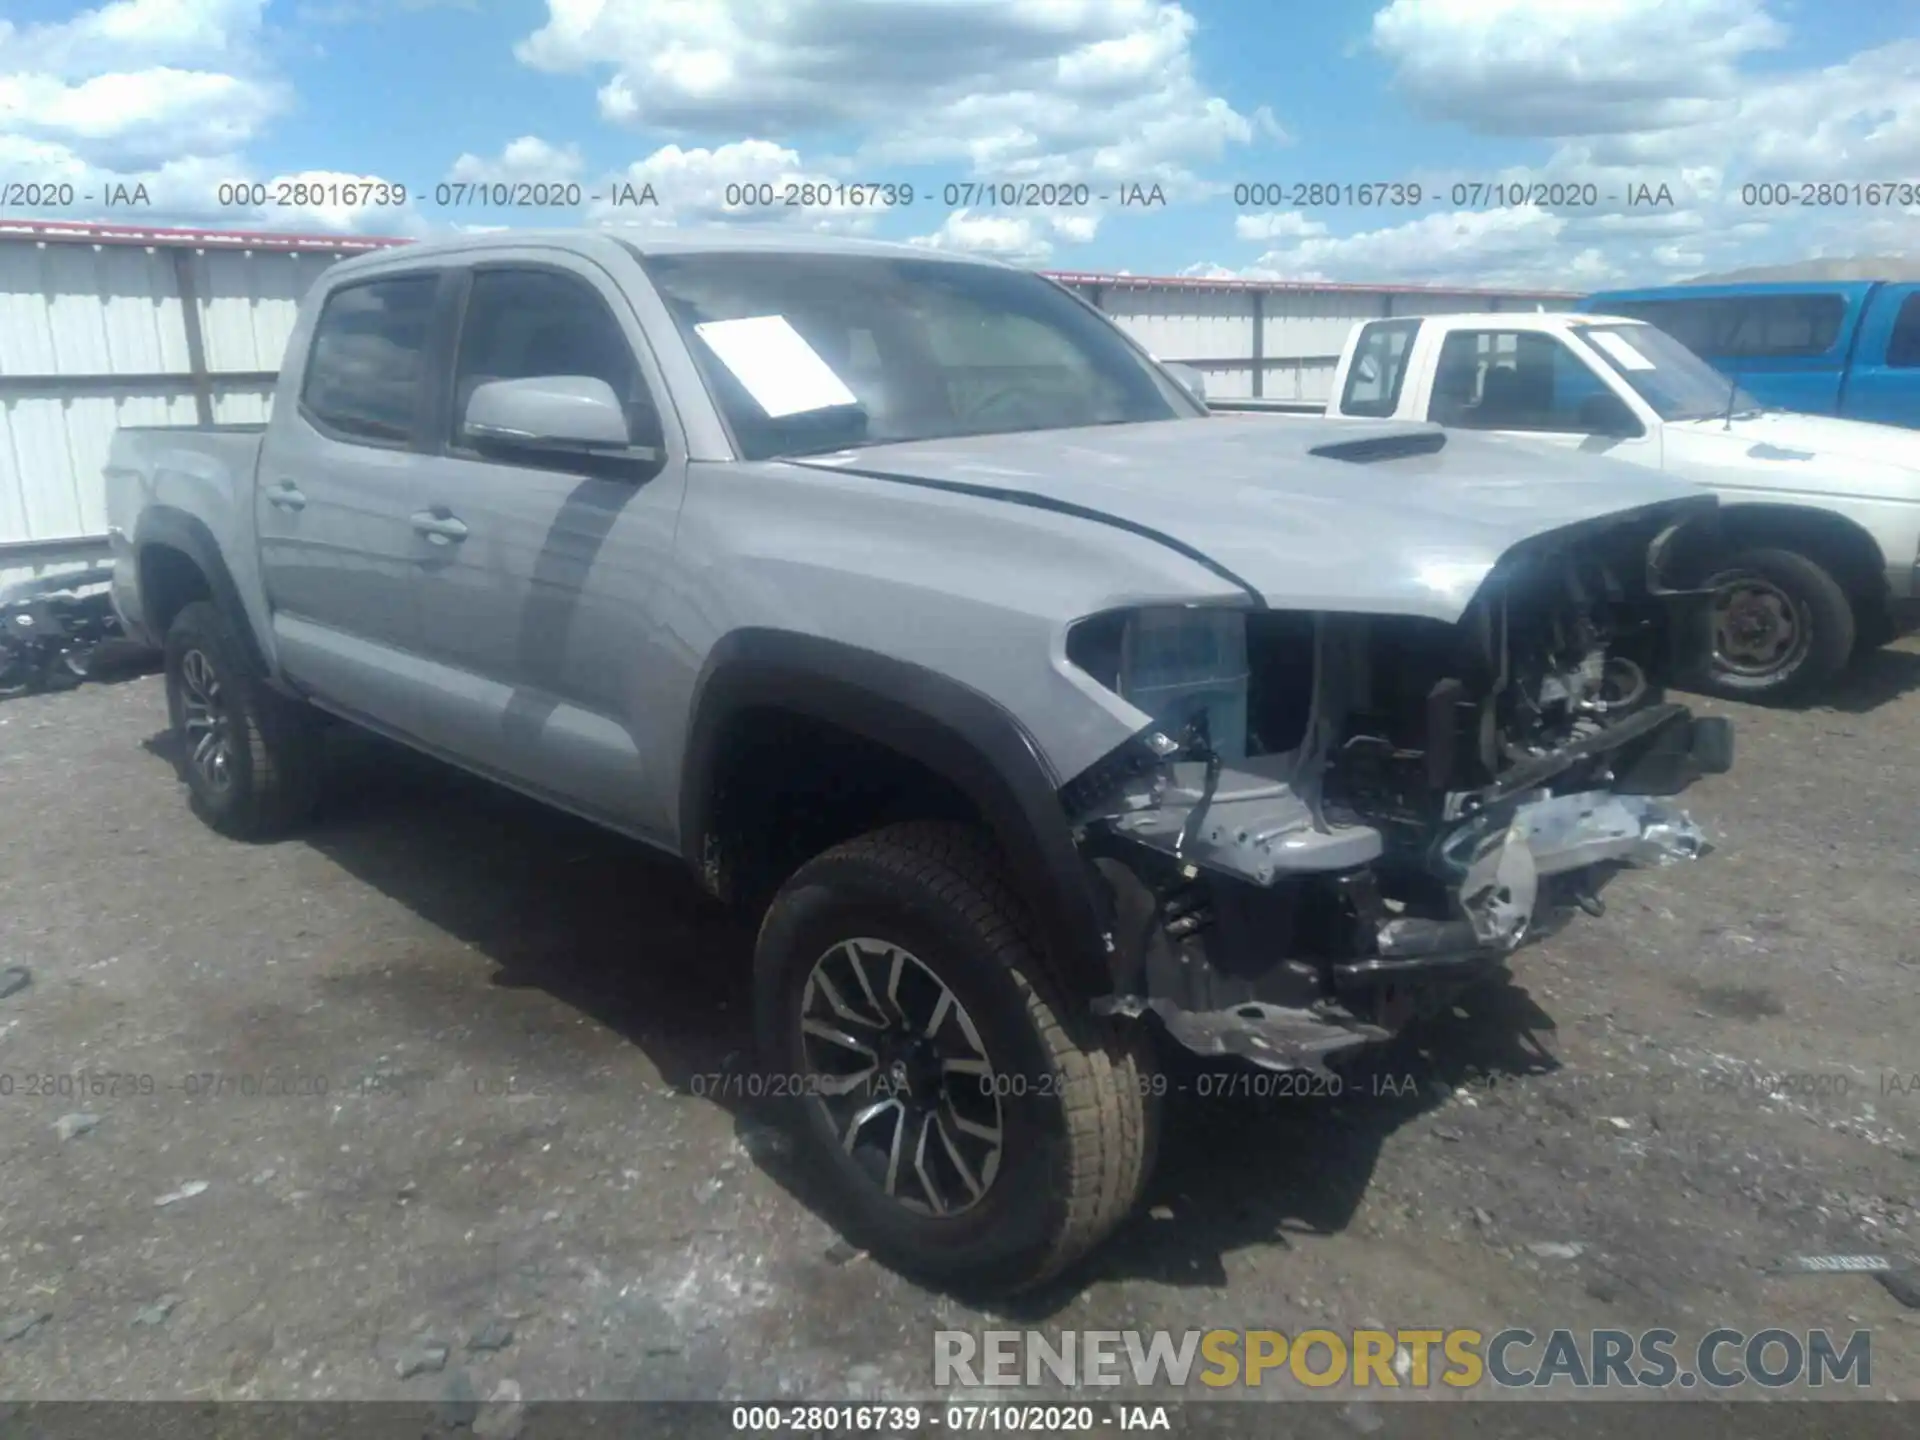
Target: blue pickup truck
point(1845, 348)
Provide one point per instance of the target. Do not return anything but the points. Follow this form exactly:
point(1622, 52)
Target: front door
point(1885, 383)
point(333, 495)
point(1533, 386)
point(534, 573)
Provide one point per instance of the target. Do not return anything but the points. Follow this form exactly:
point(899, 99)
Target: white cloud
point(132, 34)
point(1025, 237)
point(528, 160)
point(1573, 67)
point(165, 93)
point(1691, 94)
point(752, 182)
point(1010, 236)
point(1075, 228)
point(1277, 225)
point(1066, 90)
point(1634, 84)
point(338, 202)
point(1520, 247)
point(136, 118)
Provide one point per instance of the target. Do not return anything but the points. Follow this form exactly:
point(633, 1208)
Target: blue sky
point(1597, 100)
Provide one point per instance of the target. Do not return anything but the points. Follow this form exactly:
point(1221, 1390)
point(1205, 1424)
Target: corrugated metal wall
point(1273, 340)
point(103, 326)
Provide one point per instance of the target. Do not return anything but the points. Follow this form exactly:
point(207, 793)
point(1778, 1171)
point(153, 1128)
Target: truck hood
point(1409, 522)
point(1776, 450)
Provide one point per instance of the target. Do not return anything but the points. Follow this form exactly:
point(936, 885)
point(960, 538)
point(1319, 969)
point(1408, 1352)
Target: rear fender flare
point(167, 525)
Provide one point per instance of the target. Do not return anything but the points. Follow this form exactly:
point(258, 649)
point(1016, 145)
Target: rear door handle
point(286, 496)
point(440, 529)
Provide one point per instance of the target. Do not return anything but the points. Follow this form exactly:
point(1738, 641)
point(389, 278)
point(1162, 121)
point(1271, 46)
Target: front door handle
point(440, 529)
point(286, 496)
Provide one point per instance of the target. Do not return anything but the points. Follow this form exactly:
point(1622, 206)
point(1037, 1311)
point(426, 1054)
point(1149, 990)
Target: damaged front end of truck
point(1389, 805)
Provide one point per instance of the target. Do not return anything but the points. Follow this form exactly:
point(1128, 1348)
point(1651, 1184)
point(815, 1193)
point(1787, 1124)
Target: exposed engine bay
point(1389, 805)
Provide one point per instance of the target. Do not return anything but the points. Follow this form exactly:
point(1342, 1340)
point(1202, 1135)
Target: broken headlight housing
point(1185, 666)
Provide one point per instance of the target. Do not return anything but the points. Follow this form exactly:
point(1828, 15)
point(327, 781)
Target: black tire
point(1874, 629)
point(1077, 1108)
point(270, 781)
point(19, 672)
point(1777, 667)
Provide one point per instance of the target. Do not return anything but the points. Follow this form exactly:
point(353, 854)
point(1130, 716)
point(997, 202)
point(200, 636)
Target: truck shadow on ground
point(621, 934)
point(1876, 678)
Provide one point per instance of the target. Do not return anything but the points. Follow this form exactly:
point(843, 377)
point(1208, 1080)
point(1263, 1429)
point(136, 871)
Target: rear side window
point(366, 371)
point(1745, 327)
point(1379, 367)
point(1903, 346)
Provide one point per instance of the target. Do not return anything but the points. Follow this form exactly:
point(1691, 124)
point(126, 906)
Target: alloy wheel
point(206, 721)
point(900, 1070)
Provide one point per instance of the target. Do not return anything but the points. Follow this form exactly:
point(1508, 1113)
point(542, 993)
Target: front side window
point(368, 361)
point(528, 324)
point(809, 353)
point(1518, 380)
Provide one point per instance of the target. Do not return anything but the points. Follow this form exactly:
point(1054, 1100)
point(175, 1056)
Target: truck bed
point(196, 480)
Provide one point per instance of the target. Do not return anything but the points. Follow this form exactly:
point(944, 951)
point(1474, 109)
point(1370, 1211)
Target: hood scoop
point(1382, 447)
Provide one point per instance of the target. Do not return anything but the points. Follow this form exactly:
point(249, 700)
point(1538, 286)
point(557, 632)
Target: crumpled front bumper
point(1234, 989)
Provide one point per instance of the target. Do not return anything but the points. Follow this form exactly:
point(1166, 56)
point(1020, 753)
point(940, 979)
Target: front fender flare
point(955, 731)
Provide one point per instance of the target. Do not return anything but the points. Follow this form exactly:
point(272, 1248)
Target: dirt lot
point(437, 1066)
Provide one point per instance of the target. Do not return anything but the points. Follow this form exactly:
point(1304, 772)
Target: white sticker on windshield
point(1627, 357)
point(784, 374)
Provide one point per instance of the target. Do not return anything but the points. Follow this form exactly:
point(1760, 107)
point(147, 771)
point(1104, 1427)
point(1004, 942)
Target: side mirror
point(1368, 369)
point(559, 413)
point(1611, 416)
point(1188, 378)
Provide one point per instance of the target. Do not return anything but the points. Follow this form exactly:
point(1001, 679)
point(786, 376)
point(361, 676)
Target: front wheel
point(967, 1126)
point(1782, 627)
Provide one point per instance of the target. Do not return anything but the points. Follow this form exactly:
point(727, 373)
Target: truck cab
point(1844, 348)
point(1820, 518)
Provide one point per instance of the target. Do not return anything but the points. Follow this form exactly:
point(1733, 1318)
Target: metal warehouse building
point(103, 326)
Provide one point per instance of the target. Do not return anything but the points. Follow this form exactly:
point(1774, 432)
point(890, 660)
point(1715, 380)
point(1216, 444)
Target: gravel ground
point(422, 1091)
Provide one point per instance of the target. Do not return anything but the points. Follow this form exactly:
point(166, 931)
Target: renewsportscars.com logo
point(1414, 1359)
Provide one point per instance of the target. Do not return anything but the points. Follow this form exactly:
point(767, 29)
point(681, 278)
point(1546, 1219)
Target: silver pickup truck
point(1046, 719)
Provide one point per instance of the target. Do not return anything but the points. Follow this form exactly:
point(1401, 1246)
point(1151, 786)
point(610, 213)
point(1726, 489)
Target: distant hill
point(1860, 267)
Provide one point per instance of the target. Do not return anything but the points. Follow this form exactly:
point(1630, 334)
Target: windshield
point(811, 353)
point(1677, 383)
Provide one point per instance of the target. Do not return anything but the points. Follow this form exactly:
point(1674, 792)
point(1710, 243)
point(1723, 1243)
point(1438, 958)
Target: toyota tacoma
point(1044, 718)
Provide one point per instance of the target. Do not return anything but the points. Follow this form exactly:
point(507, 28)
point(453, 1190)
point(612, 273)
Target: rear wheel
point(251, 757)
point(1782, 627)
point(967, 1124)
point(19, 670)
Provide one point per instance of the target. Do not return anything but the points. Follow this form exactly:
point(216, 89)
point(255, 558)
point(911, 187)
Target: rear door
point(535, 609)
point(335, 487)
point(1884, 385)
point(1532, 385)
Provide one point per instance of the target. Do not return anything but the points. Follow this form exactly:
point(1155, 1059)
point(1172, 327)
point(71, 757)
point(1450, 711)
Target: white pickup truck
point(1821, 516)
